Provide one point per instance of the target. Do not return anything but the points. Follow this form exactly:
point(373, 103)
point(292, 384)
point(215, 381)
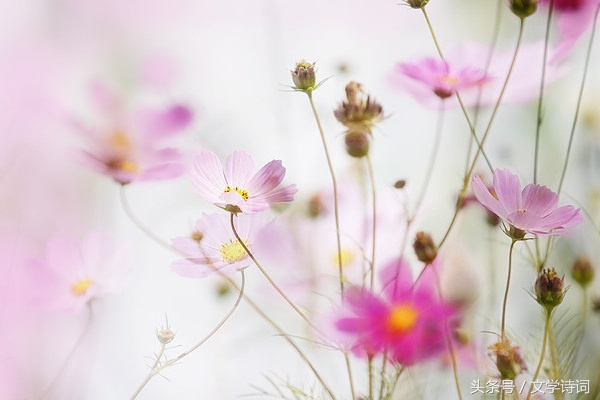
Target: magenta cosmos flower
point(213, 246)
point(441, 78)
point(129, 146)
point(534, 209)
point(407, 322)
point(71, 275)
point(236, 187)
point(575, 17)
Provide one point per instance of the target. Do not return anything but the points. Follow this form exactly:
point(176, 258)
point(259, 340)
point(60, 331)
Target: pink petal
point(239, 167)
point(267, 178)
point(508, 189)
point(207, 175)
point(483, 195)
point(539, 200)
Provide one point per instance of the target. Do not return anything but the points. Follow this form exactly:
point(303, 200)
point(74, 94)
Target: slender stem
point(432, 159)
point(137, 222)
point(467, 177)
point(157, 367)
point(504, 302)
point(554, 358)
point(370, 367)
point(374, 221)
point(335, 192)
point(541, 95)
point(384, 363)
point(579, 98)
point(541, 362)
point(67, 360)
point(266, 275)
point(448, 337)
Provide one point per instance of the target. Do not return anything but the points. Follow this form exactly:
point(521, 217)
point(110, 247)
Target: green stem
point(504, 302)
point(335, 192)
point(467, 177)
point(374, 222)
point(541, 95)
point(541, 362)
point(554, 358)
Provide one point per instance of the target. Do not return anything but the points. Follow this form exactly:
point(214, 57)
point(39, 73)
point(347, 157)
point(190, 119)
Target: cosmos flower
point(131, 147)
point(406, 322)
point(441, 77)
point(213, 245)
point(236, 187)
point(534, 209)
point(575, 17)
point(71, 275)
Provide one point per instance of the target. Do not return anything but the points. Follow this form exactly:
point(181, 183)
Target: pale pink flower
point(130, 147)
point(213, 245)
point(533, 209)
point(407, 321)
point(71, 275)
point(575, 17)
point(237, 188)
point(441, 77)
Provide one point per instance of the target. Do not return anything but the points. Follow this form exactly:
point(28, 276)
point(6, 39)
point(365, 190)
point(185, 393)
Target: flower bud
point(304, 77)
point(359, 112)
point(357, 143)
point(425, 248)
point(315, 206)
point(582, 271)
point(165, 336)
point(523, 8)
point(417, 3)
point(507, 358)
point(549, 288)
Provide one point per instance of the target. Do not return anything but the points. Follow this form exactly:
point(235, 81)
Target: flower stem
point(335, 192)
point(158, 367)
point(504, 302)
point(67, 360)
point(374, 222)
point(137, 222)
point(266, 275)
point(467, 177)
point(538, 125)
point(540, 363)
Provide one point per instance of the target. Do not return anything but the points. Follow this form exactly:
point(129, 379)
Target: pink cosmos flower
point(237, 188)
point(441, 77)
point(406, 321)
point(213, 245)
point(534, 209)
point(71, 275)
point(130, 146)
point(575, 17)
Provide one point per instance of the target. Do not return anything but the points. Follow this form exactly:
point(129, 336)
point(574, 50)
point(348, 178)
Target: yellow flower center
point(449, 79)
point(346, 256)
point(80, 287)
point(522, 211)
point(233, 251)
point(402, 319)
point(241, 192)
point(120, 141)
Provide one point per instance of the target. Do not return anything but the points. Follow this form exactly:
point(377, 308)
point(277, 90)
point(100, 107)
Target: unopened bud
point(165, 336)
point(549, 288)
point(304, 77)
point(425, 248)
point(523, 8)
point(357, 143)
point(582, 271)
point(417, 3)
point(315, 206)
point(400, 184)
point(197, 236)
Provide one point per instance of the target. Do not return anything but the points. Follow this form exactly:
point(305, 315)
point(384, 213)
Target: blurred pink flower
point(213, 245)
point(534, 209)
point(575, 17)
point(237, 188)
point(129, 148)
point(406, 322)
point(71, 275)
point(441, 77)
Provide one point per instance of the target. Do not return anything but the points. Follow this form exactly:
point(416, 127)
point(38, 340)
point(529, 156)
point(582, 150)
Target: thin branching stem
point(158, 366)
point(467, 177)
